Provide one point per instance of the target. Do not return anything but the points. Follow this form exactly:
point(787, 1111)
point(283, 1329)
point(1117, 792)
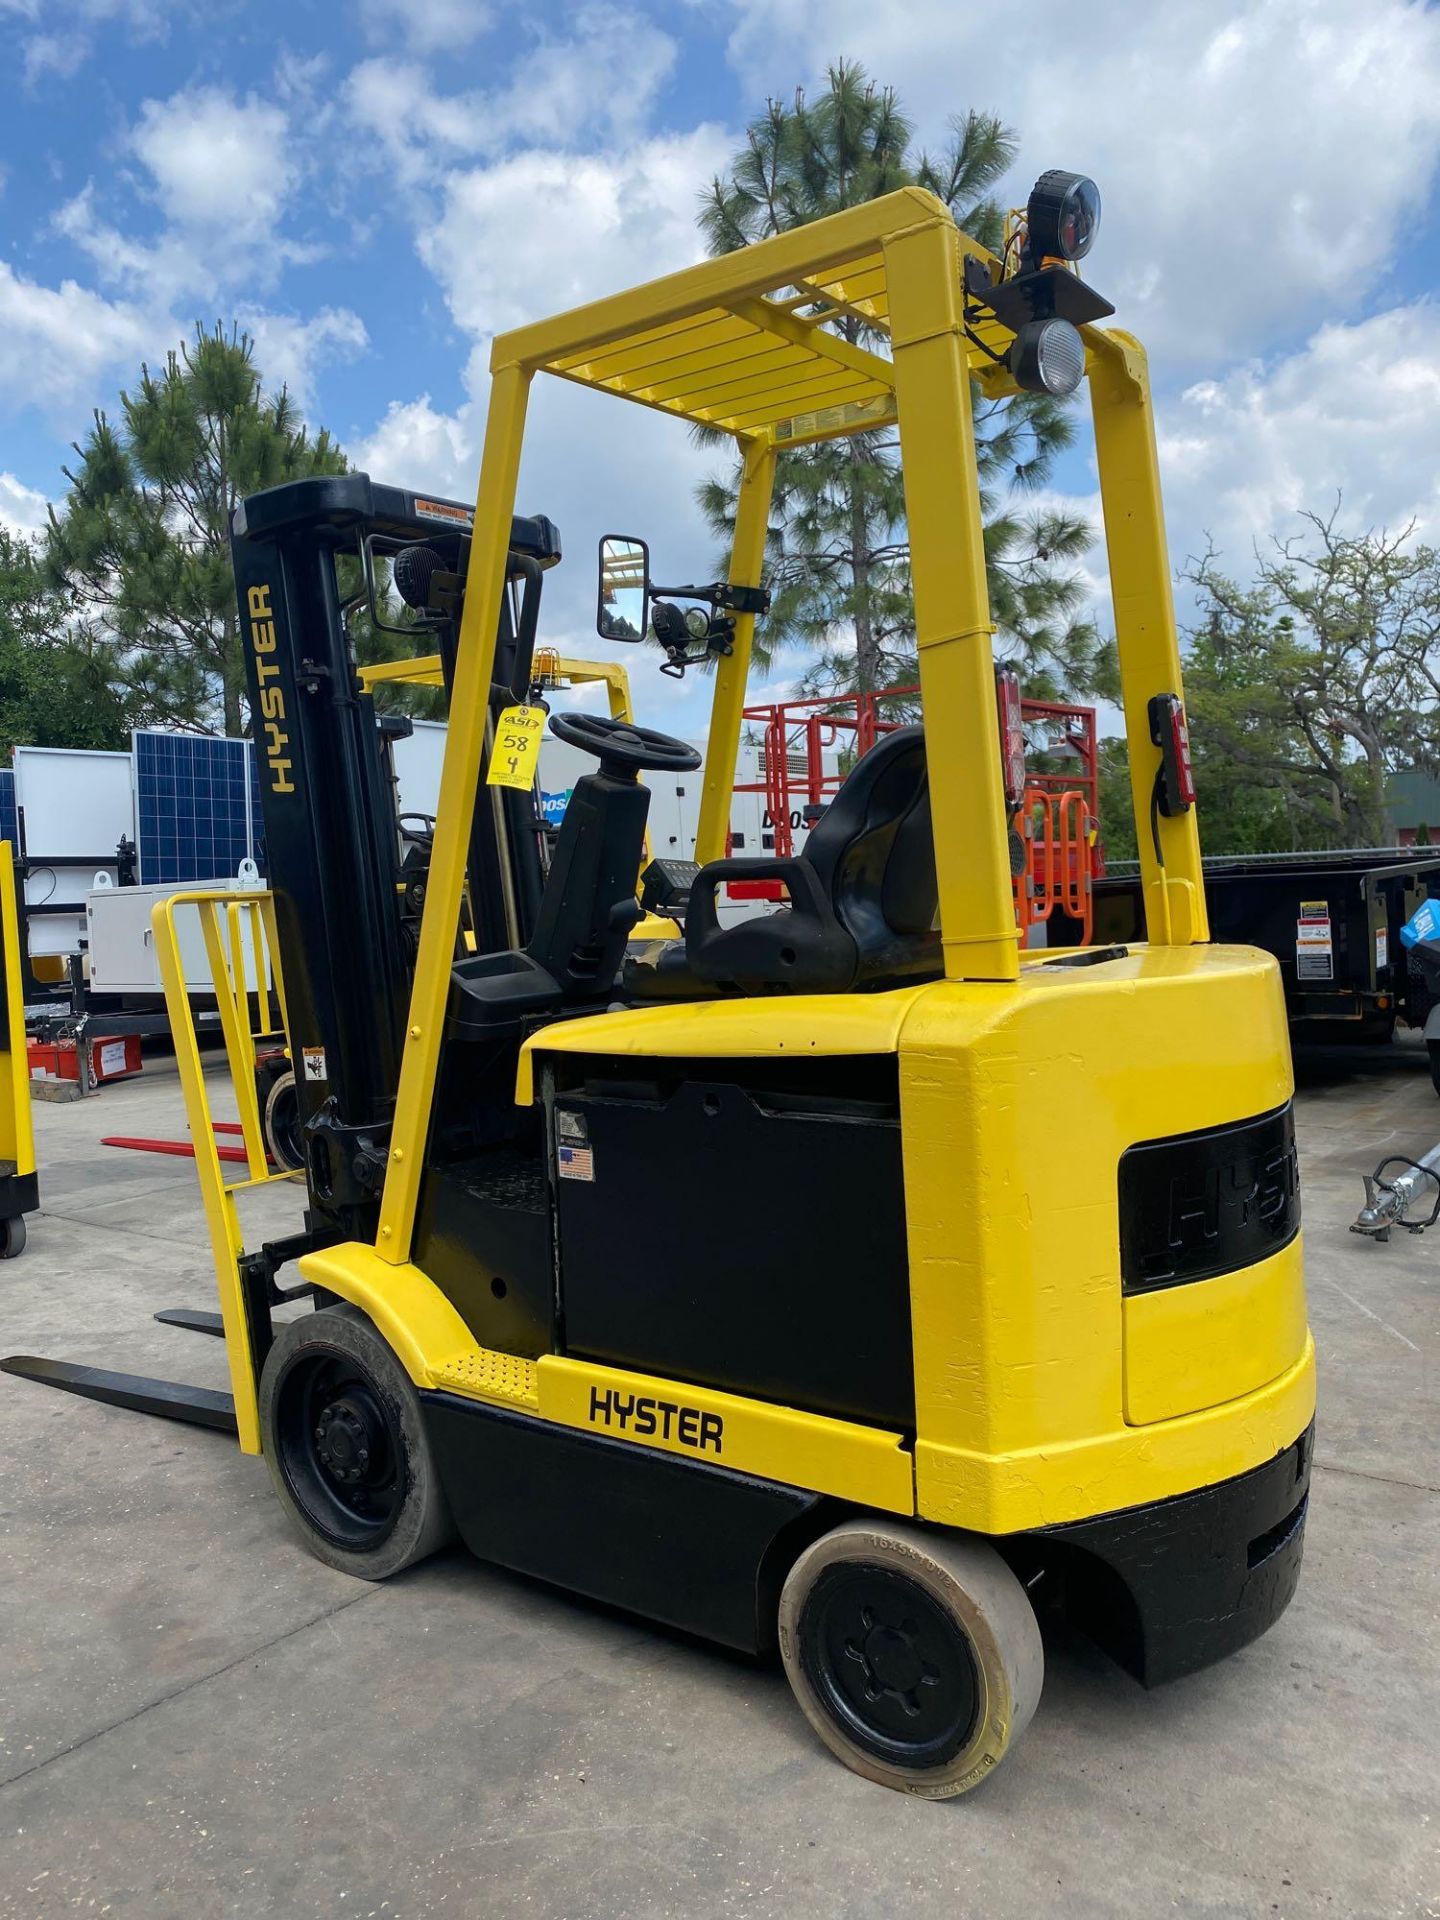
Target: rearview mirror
point(623, 611)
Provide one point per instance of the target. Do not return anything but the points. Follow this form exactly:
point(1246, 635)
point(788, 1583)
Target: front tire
point(281, 1123)
point(915, 1656)
point(12, 1238)
point(345, 1442)
point(1432, 1047)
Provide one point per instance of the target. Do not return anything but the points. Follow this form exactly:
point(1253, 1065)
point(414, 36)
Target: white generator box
point(122, 942)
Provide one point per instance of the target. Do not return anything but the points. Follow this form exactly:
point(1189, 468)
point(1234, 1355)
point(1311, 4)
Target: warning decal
point(444, 510)
point(313, 1060)
point(1314, 946)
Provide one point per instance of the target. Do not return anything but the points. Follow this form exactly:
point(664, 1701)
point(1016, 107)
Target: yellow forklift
point(846, 1279)
point(19, 1187)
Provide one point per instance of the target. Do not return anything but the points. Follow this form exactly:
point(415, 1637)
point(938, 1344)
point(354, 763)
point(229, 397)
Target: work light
point(1048, 357)
point(1062, 217)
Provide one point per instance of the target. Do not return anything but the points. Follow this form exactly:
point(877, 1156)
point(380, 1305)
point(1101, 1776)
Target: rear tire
point(282, 1123)
point(345, 1442)
point(1432, 1047)
point(914, 1655)
point(12, 1238)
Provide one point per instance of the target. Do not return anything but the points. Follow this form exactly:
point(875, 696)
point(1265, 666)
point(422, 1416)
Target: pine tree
point(56, 689)
point(839, 562)
point(142, 545)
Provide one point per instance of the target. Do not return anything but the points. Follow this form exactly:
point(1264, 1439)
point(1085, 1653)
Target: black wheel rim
point(340, 1449)
point(893, 1668)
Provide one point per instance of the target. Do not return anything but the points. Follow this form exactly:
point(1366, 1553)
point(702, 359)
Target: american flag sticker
point(576, 1163)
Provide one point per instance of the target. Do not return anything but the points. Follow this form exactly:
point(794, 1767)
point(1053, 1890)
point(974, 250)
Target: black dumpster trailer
point(1333, 922)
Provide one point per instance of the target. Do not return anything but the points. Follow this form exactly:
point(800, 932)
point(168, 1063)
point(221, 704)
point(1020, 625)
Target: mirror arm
point(720, 593)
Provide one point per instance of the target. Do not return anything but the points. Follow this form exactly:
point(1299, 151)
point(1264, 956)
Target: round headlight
point(1063, 216)
point(1048, 357)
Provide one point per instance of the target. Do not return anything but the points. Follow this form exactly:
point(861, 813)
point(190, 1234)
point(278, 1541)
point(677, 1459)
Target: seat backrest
point(589, 907)
point(875, 855)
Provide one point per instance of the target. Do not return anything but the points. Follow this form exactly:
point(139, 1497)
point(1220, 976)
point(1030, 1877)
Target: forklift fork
point(173, 1399)
point(168, 1399)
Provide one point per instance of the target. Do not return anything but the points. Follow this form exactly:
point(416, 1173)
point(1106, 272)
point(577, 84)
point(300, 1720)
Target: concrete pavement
point(197, 1719)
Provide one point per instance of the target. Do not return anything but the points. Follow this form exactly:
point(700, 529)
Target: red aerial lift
point(808, 746)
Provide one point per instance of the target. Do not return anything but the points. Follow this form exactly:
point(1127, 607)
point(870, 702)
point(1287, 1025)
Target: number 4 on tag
point(515, 757)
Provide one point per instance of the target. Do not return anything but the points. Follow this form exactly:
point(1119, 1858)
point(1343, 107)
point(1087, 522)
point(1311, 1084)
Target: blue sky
point(374, 186)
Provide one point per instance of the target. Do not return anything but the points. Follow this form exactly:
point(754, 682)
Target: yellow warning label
point(516, 755)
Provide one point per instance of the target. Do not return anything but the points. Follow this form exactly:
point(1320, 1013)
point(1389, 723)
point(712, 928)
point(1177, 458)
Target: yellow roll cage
point(740, 344)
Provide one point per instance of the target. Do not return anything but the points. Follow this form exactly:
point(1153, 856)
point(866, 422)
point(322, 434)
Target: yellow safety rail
point(425, 671)
point(243, 952)
point(17, 1138)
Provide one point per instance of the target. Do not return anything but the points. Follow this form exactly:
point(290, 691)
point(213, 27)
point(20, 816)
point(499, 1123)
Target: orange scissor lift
point(807, 747)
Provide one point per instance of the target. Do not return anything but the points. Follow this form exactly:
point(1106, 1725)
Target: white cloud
point(597, 81)
point(1259, 158)
point(592, 463)
point(415, 445)
point(430, 26)
point(69, 36)
point(59, 53)
point(542, 231)
point(216, 162)
point(1351, 413)
point(290, 351)
point(58, 343)
point(22, 508)
point(222, 172)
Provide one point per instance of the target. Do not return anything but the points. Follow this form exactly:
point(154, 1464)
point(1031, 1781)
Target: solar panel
point(257, 817)
point(192, 807)
point(8, 828)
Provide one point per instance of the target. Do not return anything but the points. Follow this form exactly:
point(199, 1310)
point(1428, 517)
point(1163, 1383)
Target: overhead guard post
point(953, 628)
point(747, 560)
point(459, 782)
point(1144, 611)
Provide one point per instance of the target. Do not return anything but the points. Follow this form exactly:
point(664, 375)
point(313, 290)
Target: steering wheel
point(622, 746)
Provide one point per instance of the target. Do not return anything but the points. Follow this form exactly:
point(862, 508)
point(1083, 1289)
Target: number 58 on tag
point(515, 756)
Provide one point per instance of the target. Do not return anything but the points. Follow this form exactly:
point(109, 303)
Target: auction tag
point(515, 757)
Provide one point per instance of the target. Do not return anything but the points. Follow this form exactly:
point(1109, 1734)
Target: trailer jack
point(1387, 1201)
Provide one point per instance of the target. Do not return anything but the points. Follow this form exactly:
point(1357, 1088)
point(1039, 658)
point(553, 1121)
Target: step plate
point(482, 1374)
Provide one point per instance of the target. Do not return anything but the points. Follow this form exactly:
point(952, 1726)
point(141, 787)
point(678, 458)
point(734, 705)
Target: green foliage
point(1305, 690)
point(142, 547)
point(1312, 685)
point(56, 689)
point(838, 554)
point(1117, 815)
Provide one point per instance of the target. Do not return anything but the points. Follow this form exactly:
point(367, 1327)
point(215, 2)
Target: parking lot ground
point(197, 1719)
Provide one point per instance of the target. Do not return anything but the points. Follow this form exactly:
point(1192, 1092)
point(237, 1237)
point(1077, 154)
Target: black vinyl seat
point(862, 906)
